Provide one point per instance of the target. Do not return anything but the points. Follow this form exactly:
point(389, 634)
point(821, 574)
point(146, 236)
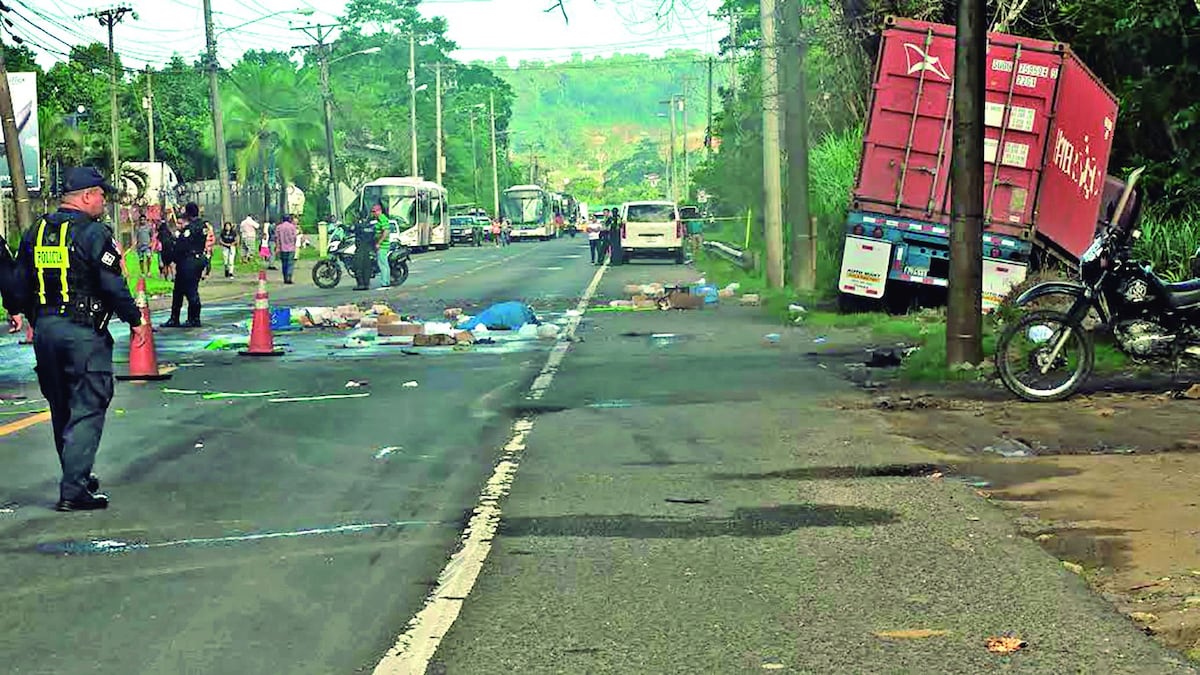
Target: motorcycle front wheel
point(1028, 364)
point(399, 272)
point(326, 273)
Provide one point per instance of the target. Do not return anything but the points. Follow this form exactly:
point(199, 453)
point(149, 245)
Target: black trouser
point(597, 249)
point(187, 284)
point(75, 373)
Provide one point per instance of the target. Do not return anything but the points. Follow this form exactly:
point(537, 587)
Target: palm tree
point(270, 122)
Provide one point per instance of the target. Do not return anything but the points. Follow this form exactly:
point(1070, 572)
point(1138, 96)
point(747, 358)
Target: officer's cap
point(84, 177)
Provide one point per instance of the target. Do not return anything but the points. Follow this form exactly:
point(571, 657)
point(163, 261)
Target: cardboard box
point(464, 337)
point(439, 340)
point(384, 319)
point(684, 300)
point(399, 329)
point(750, 300)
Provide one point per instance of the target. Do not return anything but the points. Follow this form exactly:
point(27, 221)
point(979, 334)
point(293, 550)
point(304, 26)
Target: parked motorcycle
point(1150, 320)
point(327, 273)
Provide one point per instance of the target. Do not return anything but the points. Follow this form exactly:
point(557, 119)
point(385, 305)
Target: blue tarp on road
point(504, 316)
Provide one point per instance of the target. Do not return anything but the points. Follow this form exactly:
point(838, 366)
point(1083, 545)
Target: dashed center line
point(414, 649)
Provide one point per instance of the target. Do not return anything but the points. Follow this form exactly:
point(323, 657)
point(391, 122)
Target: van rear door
point(651, 226)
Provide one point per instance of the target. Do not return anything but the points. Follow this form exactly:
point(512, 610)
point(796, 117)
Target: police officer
point(365, 235)
point(72, 273)
point(190, 262)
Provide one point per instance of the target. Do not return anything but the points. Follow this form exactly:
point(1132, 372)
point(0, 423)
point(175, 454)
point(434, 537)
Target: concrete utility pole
point(687, 168)
point(671, 178)
point(412, 97)
point(109, 18)
point(441, 168)
point(150, 111)
point(218, 118)
point(772, 174)
point(474, 163)
point(802, 272)
point(733, 55)
point(708, 133)
point(320, 34)
point(12, 150)
point(964, 322)
point(495, 169)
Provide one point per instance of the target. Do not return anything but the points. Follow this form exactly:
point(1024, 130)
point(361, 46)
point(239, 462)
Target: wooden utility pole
point(218, 117)
point(733, 53)
point(772, 174)
point(802, 270)
point(12, 150)
point(687, 167)
point(964, 322)
point(109, 18)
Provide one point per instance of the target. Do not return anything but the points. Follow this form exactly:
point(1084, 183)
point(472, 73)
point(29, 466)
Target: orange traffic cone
point(261, 342)
point(143, 363)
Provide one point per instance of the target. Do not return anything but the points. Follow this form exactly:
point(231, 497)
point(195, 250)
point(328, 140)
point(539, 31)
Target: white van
point(651, 228)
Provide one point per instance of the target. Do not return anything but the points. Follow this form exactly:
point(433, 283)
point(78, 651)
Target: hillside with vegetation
point(583, 119)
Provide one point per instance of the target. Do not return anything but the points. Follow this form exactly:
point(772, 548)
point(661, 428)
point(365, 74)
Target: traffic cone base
point(261, 342)
point(143, 363)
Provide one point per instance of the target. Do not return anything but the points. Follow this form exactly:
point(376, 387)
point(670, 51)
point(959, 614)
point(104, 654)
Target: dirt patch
point(1108, 482)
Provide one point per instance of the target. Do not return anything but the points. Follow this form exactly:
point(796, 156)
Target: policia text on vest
point(71, 286)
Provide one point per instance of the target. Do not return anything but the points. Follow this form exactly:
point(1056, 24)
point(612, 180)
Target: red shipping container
point(1049, 121)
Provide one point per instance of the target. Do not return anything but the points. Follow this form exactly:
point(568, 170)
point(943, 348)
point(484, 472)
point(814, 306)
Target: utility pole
point(687, 168)
point(495, 169)
point(708, 133)
point(12, 150)
point(320, 33)
point(150, 111)
point(474, 162)
point(214, 100)
point(671, 179)
point(772, 175)
point(437, 68)
point(109, 18)
point(412, 97)
point(964, 323)
point(802, 272)
point(733, 53)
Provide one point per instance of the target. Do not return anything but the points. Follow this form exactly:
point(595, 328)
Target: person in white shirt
point(595, 243)
point(249, 231)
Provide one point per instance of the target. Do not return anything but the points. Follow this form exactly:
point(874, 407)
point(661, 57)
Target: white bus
point(416, 207)
point(530, 210)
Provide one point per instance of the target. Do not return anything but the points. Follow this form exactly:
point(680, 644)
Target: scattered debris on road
point(1005, 644)
point(384, 452)
point(326, 397)
point(411, 384)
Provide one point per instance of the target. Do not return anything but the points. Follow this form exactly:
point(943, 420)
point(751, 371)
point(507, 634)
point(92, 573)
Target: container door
point(865, 267)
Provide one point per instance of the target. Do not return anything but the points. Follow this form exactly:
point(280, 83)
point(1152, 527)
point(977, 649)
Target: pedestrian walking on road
point(189, 266)
point(229, 245)
point(73, 285)
point(210, 243)
point(165, 242)
point(264, 244)
point(272, 244)
point(615, 256)
point(143, 237)
point(286, 234)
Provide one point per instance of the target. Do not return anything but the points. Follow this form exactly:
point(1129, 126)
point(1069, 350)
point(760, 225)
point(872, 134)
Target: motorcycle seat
point(1184, 293)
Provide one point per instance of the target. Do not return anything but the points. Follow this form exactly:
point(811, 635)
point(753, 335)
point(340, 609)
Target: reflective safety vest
point(51, 255)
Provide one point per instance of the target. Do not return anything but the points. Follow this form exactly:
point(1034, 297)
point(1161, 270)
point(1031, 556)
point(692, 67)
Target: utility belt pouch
point(90, 312)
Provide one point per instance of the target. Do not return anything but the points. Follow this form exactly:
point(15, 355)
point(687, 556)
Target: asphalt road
point(254, 537)
point(668, 493)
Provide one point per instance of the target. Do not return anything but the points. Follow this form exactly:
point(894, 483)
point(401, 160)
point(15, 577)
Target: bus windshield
point(522, 207)
point(399, 203)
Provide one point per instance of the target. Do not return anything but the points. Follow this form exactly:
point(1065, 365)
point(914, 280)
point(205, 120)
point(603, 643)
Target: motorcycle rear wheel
point(326, 273)
point(1070, 369)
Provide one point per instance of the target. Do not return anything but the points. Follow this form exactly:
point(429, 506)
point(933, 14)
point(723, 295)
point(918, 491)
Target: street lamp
point(327, 95)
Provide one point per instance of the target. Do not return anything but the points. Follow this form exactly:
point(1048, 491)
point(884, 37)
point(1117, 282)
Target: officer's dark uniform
point(364, 253)
point(74, 284)
point(616, 256)
point(189, 267)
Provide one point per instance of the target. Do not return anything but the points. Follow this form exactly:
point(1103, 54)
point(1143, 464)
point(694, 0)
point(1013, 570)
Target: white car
point(651, 228)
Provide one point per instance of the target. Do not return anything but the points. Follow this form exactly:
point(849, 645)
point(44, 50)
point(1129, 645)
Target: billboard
point(24, 102)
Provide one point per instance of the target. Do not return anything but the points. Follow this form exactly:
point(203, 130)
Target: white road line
point(414, 649)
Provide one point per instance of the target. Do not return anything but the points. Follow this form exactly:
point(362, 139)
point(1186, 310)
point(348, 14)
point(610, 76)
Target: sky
point(483, 29)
